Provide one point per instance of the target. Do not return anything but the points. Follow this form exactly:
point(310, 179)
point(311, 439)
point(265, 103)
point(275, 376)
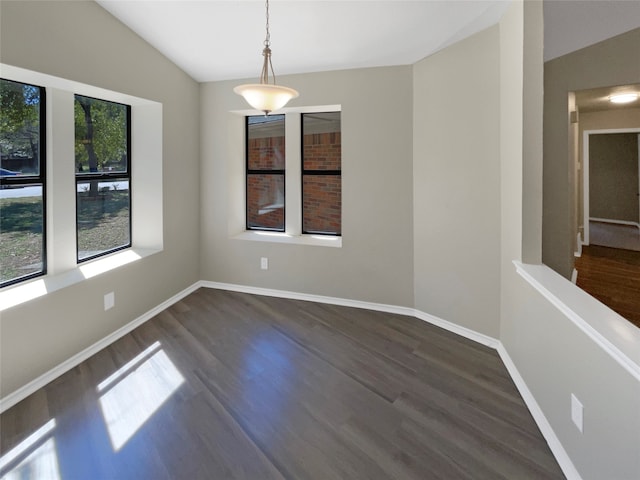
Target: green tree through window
point(103, 176)
point(22, 182)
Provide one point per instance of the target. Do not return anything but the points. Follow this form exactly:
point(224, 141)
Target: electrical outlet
point(109, 301)
point(577, 412)
point(264, 263)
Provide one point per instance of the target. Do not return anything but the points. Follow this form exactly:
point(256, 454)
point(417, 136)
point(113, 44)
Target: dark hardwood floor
point(226, 385)
point(612, 275)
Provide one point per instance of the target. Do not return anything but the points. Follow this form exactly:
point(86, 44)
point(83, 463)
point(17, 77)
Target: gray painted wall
point(613, 176)
point(82, 42)
point(375, 262)
point(612, 62)
point(456, 183)
point(601, 120)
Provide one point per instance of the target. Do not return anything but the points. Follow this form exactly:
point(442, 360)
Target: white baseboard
point(23, 392)
point(617, 222)
point(379, 307)
point(458, 329)
point(567, 466)
point(345, 302)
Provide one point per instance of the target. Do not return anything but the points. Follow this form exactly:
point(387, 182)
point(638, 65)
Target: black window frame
point(304, 172)
point(107, 176)
point(254, 171)
point(40, 179)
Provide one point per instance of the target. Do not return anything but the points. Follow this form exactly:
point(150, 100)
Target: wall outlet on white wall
point(577, 412)
point(264, 263)
point(109, 301)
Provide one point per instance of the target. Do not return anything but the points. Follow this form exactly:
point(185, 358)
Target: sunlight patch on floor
point(136, 391)
point(40, 458)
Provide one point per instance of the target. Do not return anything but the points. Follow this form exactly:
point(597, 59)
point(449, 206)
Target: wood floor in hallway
point(226, 385)
point(612, 276)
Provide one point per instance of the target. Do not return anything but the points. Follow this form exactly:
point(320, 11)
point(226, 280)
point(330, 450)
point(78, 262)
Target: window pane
point(321, 173)
point(265, 201)
point(101, 136)
point(322, 142)
point(21, 232)
point(265, 143)
point(322, 204)
point(103, 216)
point(20, 129)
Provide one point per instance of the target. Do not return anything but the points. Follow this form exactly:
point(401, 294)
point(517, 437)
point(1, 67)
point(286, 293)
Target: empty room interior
point(199, 279)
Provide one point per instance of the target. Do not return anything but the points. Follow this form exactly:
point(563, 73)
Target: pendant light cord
point(267, 39)
point(266, 53)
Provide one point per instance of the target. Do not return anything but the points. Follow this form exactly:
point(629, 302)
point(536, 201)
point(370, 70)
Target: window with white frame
point(38, 196)
point(293, 176)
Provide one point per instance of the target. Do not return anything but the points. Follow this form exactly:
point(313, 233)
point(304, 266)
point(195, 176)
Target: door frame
point(585, 175)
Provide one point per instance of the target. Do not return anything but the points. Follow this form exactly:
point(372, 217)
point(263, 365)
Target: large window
point(265, 156)
point(103, 176)
point(321, 173)
point(22, 182)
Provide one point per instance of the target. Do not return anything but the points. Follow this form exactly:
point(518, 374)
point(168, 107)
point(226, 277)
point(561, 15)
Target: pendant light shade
point(266, 96)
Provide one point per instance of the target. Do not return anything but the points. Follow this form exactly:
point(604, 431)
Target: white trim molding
point(465, 332)
point(379, 307)
point(345, 302)
point(563, 459)
point(614, 221)
point(578, 252)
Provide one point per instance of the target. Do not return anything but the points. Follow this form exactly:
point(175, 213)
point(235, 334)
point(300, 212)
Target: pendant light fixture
point(266, 96)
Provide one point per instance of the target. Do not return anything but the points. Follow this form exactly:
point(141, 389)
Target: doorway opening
point(611, 188)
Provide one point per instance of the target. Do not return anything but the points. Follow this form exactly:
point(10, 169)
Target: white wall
point(80, 41)
point(456, 183)
point(376, 258)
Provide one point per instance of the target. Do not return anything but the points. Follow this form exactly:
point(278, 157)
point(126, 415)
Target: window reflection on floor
point(34, 457)
point(136, 391)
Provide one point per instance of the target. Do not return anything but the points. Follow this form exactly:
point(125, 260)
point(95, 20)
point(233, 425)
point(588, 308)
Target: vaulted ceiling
point(217, 40)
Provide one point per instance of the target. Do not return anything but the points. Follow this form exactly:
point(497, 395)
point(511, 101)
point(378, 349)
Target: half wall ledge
point(612, 332)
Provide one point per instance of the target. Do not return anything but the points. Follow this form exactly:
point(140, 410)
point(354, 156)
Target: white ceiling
point(220, 40)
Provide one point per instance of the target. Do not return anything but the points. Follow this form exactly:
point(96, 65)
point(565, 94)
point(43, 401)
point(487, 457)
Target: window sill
point(617, 336)
point(23, 292)
point(278, 237)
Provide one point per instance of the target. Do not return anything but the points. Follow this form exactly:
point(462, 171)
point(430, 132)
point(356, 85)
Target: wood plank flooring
point(612, 276)
point(225, 385)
